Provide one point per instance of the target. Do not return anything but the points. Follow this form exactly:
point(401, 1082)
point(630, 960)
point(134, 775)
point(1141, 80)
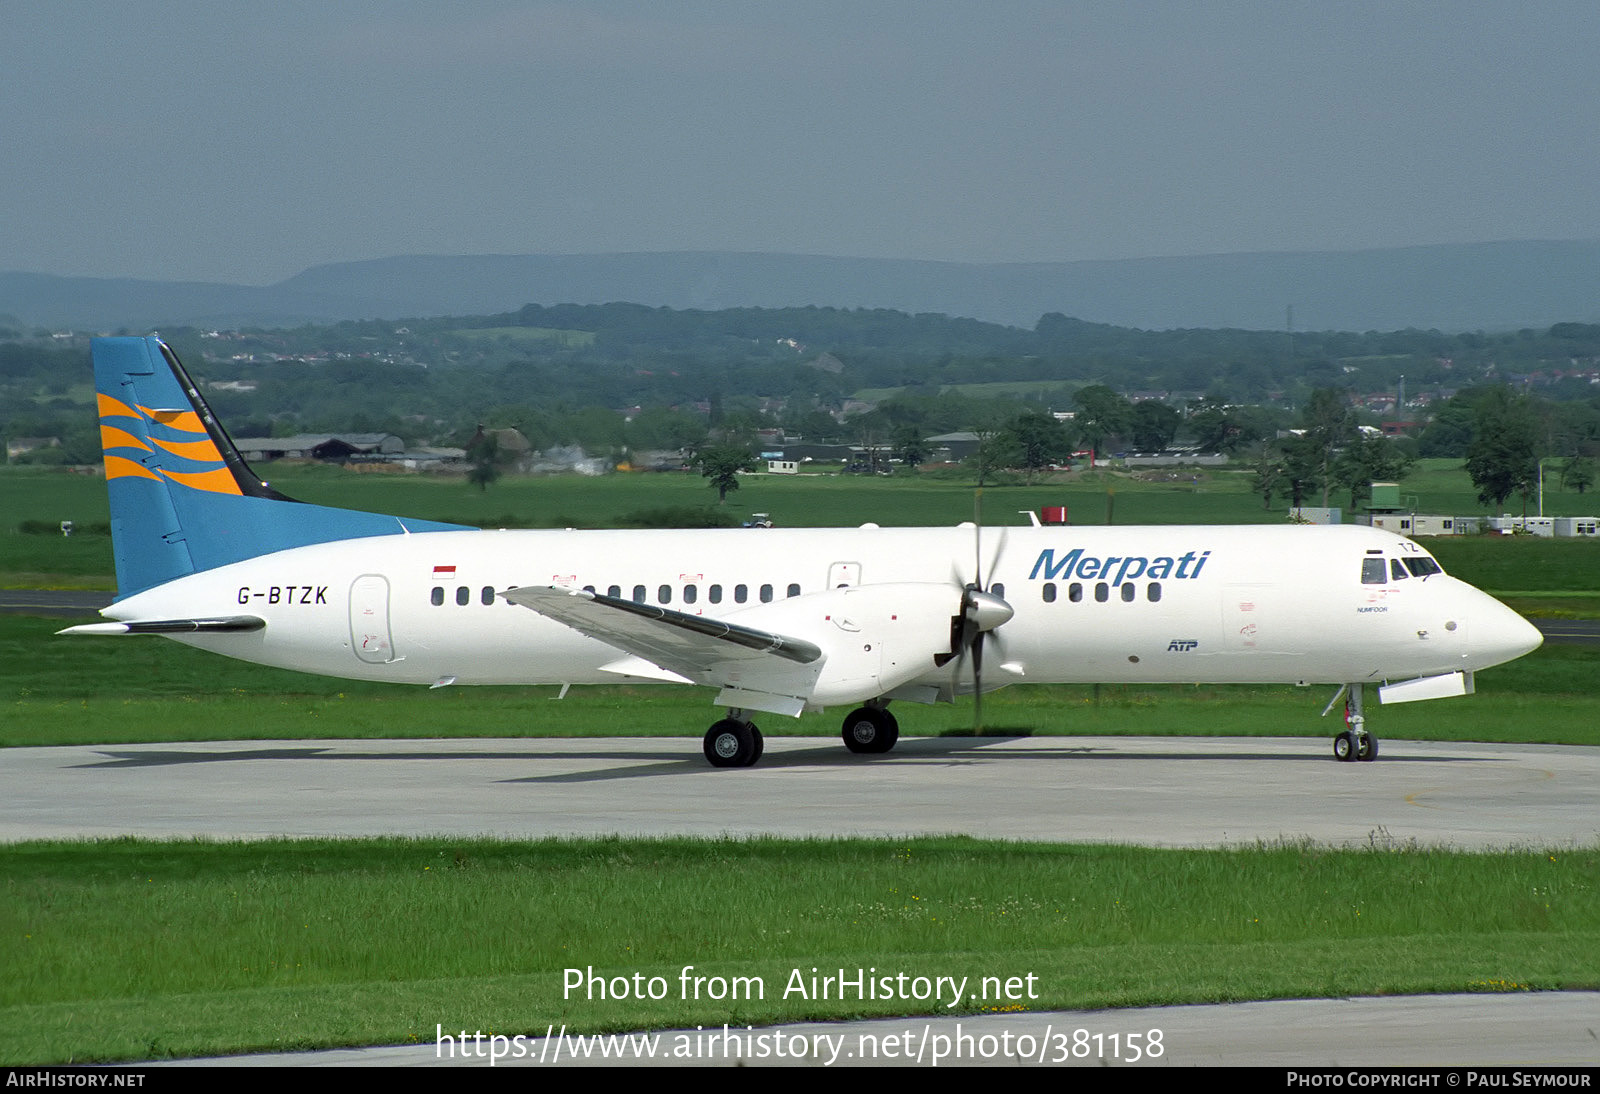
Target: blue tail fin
point(182, 498)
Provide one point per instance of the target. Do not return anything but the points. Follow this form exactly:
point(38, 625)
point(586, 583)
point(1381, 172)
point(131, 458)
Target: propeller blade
point(977, 683)
point(977, 538)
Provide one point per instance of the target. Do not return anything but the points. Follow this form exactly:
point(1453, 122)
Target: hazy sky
point(244, 142)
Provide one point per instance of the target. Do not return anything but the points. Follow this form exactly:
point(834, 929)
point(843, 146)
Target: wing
point(841, 645)
point(773, 672)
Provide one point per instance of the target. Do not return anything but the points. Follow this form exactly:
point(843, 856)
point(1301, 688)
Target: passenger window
point(741, 593)
point(691, 593)
point(438, 595)
point(715, 594)
point(766, 594)
point(664, 595)
point(1372, 571)
point(1128, 592)
point(1154, 591)
point(1102, 592)
point(1075, 592)
point(586, 588)
point(463, 595)
point(638, 594)
point(1049, 592)
point(794, 590)
point(998, 589)
point(487, 596)
point(614, 591)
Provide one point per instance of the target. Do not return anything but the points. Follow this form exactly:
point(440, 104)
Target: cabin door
point(370, 637)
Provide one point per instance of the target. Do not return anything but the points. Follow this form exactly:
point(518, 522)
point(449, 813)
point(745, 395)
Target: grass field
point(135, 950)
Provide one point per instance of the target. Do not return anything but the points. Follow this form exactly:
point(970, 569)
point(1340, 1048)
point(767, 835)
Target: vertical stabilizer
point(182, 499)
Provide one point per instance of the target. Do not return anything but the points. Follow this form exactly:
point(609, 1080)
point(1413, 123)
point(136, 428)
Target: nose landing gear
point(1355, 743)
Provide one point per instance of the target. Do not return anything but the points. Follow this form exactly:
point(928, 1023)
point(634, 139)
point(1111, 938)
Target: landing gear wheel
point(761, 746)
point(869, 730)
point(1344, 747)
point(1367, 751)
point(732, 743)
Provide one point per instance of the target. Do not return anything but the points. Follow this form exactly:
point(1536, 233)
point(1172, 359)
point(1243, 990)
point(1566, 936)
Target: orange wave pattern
point(213, 477)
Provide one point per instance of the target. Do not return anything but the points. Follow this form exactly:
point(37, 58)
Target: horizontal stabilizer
point(172, 626)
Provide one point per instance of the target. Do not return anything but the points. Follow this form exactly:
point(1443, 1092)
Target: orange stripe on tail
point(112, 437)
point(111, 407)
point(119, 467)
point(204, 451)
point(220, 481)
point(186, 420)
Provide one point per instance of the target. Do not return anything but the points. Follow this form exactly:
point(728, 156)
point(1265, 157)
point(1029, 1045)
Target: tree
point(996, 449)
point(909, 447)
point(1217, 426)
point(1268, 479)
point(1037, 440)
point(1577, 473)
point(1501, 459)
point(483, 452)
point(721, 463)
point(1154, 425)
point(1302, 463)
point(1102, 414)
point(1330, 425)
point(1450, 432)
point(661, 428)
point(1368, 460)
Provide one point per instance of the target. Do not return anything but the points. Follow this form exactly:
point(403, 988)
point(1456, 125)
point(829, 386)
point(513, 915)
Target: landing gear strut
point(734, 742)
point(1355, 743)
point(870, 729)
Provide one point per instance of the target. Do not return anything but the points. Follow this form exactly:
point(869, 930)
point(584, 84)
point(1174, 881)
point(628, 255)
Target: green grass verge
point(133, 949)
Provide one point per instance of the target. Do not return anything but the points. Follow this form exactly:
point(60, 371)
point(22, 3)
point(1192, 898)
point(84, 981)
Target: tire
point(1344, 747)
point(731, 743)
point(1369, 752)
point(868, 731)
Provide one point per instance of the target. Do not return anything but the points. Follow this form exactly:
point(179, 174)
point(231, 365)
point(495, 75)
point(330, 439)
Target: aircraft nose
point(1500, 634)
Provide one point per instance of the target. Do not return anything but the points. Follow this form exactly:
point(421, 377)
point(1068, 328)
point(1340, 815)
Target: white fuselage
point(1244, 604)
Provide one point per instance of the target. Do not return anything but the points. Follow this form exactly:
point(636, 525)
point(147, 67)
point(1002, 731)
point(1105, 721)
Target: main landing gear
point(870, 729)
point(734, 742)
point(1355, 743)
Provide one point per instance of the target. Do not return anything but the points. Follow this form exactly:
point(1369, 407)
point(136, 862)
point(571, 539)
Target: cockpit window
point(1397, 571)
point(1373, 571)
point(1422, 567)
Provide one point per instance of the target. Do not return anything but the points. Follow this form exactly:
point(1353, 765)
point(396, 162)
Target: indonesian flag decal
point(442, 572)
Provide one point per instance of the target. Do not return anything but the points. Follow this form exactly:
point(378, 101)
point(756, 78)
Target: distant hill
point(1480, 286)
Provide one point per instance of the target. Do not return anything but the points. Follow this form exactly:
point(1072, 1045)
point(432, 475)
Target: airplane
point(780, 621)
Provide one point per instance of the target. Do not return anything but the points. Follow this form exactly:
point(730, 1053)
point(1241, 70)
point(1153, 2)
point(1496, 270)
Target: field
point(128, 949)
point(135, 950)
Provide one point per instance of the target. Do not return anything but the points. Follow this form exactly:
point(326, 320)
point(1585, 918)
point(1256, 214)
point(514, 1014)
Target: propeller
point(981, 612)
